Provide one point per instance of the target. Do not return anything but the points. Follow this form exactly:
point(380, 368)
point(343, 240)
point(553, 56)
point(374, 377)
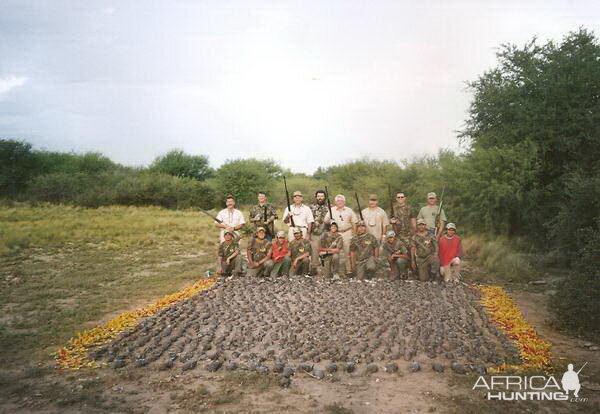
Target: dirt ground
point(150, 390)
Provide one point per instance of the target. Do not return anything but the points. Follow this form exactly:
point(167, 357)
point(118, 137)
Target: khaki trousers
point(365, 268)
point(429, 268)
point(315, 244)
point(346, 237)
point(235, 266)
point(302, 268)
point(398, 268)
point(262, 271)
point(331, 265)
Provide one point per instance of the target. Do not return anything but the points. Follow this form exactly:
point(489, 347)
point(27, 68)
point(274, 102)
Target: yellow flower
point(534, 351)
point(75, 354)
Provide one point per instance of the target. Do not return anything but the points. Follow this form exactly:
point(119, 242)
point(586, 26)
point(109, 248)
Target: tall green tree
point(539, 107)
point(180, 164)
point(243, 178)
point(17, 166)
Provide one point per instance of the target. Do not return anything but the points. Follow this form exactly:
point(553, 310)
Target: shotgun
point(439, 214)
point(287, 197)
point(211, 216)
point(359, 209)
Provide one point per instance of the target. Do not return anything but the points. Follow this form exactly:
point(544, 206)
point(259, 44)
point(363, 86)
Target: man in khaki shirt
point(375, 218)
point(429, 214)
point(302, 214)
point(346, 220)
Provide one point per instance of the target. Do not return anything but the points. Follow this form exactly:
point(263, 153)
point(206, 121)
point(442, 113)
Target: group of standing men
point(336, 242)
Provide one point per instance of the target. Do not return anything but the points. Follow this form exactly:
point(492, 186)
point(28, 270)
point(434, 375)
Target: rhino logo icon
point(570, 380)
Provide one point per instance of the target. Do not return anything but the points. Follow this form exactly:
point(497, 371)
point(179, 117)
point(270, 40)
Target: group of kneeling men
point(339, 243)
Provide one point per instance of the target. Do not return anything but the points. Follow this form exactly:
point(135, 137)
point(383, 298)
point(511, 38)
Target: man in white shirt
point(346, 220)
point(302, 215)
point(375, 218)
point(231, 219)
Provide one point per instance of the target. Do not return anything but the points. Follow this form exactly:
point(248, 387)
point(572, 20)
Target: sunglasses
point(400, 197)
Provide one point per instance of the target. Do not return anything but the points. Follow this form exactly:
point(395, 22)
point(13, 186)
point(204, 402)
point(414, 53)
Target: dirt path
point(148, 390)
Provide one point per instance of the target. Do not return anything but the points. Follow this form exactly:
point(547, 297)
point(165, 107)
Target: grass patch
point(502, 260)
point(251, 380)
point(65, 268)
point(337, 408)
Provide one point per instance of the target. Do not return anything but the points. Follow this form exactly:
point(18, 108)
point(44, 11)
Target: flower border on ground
point(75, 354)
point(534, 351)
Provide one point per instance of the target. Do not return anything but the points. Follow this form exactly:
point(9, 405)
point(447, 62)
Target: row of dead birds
point(312, 321)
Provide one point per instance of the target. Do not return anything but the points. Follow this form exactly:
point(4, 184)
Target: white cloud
point(10, 82)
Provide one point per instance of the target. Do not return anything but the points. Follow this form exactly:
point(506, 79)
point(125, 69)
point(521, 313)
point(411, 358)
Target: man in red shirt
point(450, 252)
point(280, 256)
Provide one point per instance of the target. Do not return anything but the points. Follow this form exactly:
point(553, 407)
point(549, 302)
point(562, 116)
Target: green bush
point(127, 188)
point(245, 178)
point(70, 163)
point(180, 164)
point(17, 166)
point(59, 187)
point(164, 190)
point(576, 303)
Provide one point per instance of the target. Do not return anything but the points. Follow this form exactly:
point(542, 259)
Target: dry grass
point(500, 260)
point(66, 268)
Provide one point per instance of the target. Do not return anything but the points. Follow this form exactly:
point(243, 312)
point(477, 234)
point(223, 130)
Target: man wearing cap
point(259, 255)
point(280, 256)
point(263, 214)
point(300, 251)
point(450, 253)
point(396, 252)
point(231, 218)
point(375, 218)
point(424, 251)
point(429, 214)
point(317, 229)
point(346, 220)
point(364, 252)
point(303, 217)
point(403, 219)
point(229, 259)
point(332, 244)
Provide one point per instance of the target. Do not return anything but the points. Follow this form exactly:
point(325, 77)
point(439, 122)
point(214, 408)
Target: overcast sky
point(306, 83)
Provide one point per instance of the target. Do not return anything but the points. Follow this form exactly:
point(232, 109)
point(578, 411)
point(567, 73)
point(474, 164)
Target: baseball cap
point(421, 221)
point(431, 195)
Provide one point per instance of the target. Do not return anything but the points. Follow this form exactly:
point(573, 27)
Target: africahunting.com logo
point(535, 387)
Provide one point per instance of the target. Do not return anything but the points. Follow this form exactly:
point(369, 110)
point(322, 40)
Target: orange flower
point(75, 354)
point(534, 351)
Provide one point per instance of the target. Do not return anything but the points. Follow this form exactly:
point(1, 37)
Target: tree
point(17, 166)
point(180, 164)
point(544, 100)
point(244, 178)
